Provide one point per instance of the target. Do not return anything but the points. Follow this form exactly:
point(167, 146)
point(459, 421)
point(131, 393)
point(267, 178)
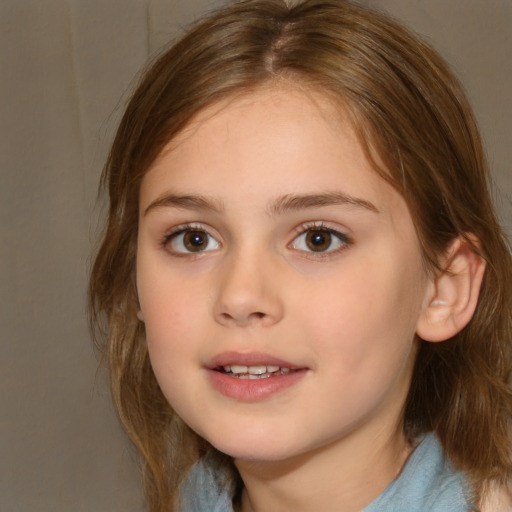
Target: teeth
point(238, 369)
point(255, 372)
point(248, 376)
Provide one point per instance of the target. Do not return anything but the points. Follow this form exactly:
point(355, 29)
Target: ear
point(453, 292)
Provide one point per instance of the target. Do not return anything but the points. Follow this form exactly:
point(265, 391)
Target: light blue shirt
point(427, 483)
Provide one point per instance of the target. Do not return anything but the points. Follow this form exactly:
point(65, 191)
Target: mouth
point(254, 372)
point(251, 377)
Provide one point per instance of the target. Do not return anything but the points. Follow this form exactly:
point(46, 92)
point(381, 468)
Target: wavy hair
point(409, 110)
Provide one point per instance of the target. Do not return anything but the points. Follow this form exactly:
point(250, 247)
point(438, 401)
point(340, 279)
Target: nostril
point(242, 319)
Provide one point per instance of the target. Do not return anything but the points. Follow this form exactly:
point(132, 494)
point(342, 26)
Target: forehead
point(288, 137)
point(278, 98)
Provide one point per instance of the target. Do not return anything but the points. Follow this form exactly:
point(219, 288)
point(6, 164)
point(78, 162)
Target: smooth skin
point(263, 228)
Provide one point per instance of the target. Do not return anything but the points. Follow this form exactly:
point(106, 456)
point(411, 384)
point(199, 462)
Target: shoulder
point(428, 482)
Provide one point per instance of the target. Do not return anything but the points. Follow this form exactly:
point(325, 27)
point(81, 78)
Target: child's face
point(267, 240)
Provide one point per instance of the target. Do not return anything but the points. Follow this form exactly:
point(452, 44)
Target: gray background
point(64, 65)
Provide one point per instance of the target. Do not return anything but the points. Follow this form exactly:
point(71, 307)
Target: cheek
point(172, 336)
point(168, 301)
point(170, 311)
point(367, 316)
point(364, 342)
point(171, 319)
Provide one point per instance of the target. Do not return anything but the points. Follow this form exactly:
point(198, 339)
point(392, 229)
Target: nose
point(248, 292)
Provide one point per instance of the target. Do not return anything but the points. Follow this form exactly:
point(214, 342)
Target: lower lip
point(253, 390)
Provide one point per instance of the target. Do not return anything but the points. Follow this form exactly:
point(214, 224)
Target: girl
point(304, 292)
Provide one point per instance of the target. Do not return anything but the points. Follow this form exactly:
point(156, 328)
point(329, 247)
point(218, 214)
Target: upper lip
point(248, 359)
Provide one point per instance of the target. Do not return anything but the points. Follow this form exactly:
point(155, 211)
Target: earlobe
point(453, 292)
point(140, 316)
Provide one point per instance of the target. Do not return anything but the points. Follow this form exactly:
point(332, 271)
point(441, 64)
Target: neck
point(351, 473)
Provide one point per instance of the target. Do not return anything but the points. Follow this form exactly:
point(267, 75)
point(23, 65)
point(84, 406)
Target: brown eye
point(195, 241)
point(192, 240)
point(318, 240)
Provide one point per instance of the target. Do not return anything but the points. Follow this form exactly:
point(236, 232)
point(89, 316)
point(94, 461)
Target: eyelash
point(344, 240)
point(302, 231)
point(183, 230)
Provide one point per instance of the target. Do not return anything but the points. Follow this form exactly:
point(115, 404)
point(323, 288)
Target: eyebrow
point(283, 204)
point(292, 202)
point(187, 202)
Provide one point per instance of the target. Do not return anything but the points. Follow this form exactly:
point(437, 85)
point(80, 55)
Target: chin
point(263, 450)
point(262, 447)
point(256, 455)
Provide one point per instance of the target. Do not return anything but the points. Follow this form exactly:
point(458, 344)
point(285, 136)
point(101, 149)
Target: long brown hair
point(408, 109)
